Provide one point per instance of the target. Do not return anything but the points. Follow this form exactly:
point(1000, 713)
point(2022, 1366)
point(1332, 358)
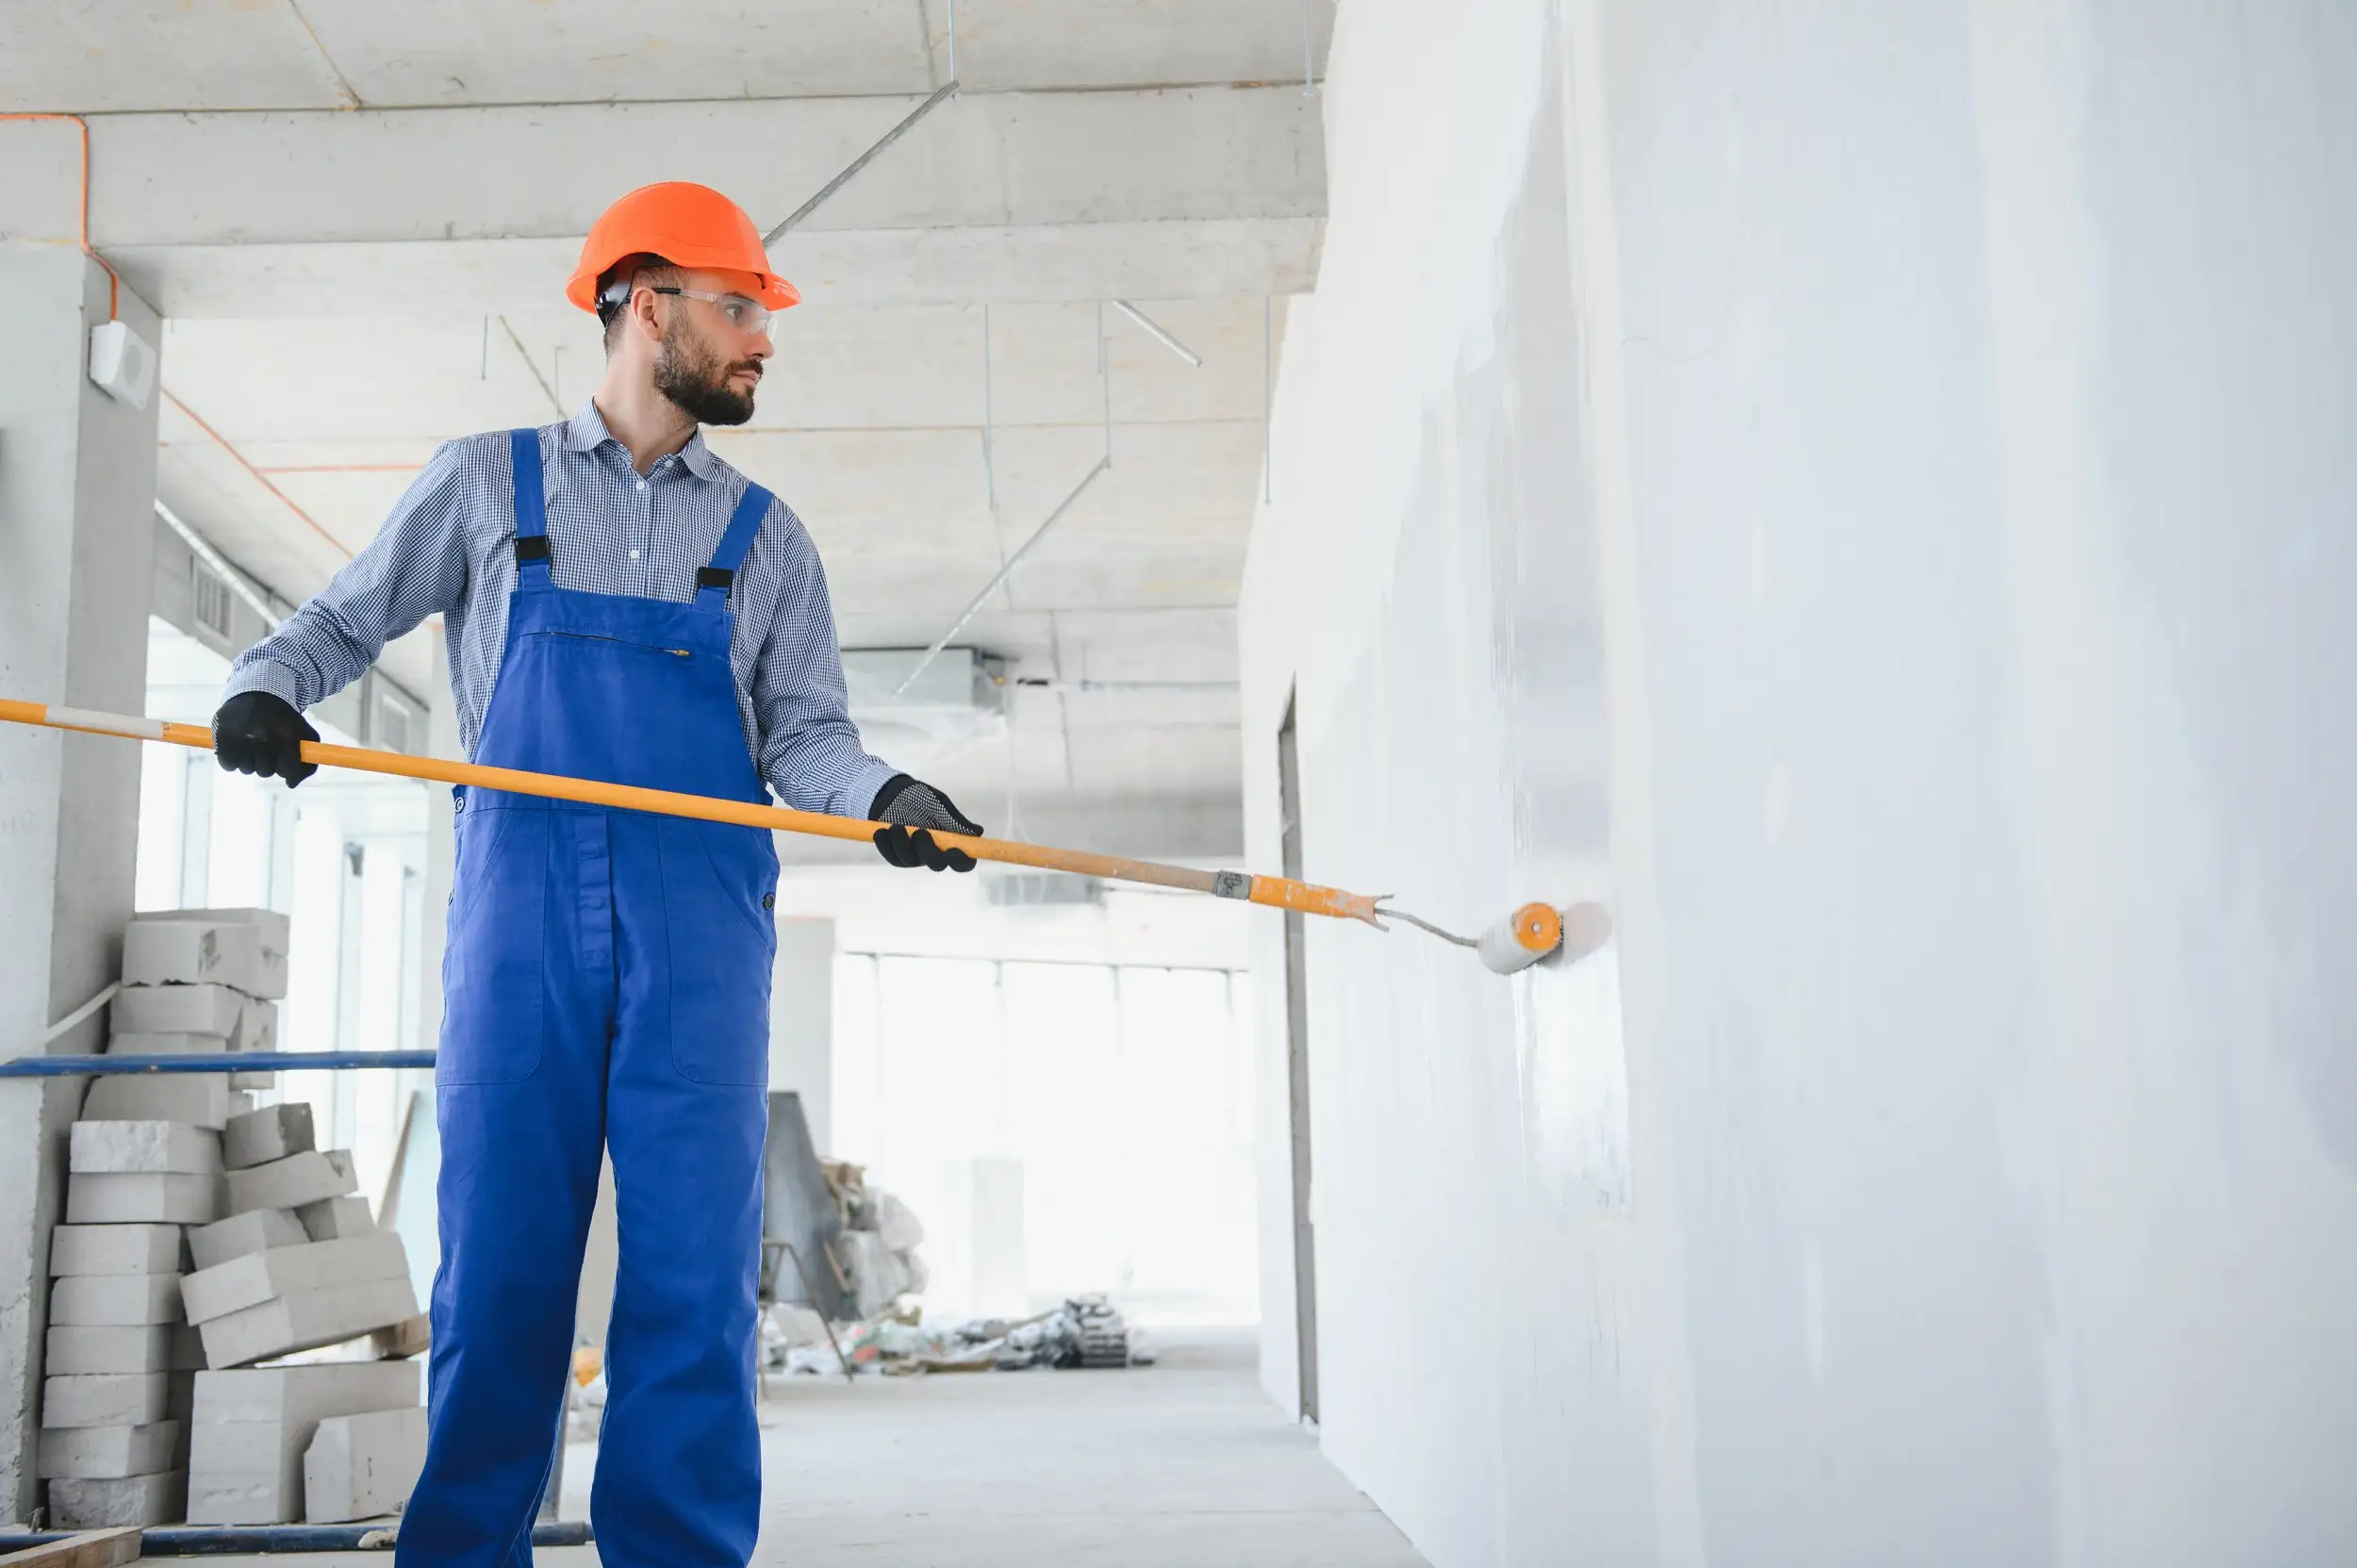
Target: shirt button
point(634, 554)
point(642, 484)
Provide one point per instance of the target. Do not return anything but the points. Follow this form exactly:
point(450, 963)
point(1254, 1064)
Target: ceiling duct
point(1041, 890)
point(960, 698)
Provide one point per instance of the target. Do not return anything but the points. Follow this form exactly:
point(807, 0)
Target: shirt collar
point(587, 431)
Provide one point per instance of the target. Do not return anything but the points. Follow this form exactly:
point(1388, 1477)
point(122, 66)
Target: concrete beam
point(1166, 194)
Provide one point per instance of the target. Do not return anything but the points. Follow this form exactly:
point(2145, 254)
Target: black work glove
point(256, 732)
point(914, 807)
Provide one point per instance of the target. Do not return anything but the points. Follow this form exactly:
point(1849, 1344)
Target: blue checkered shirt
point(448, 549)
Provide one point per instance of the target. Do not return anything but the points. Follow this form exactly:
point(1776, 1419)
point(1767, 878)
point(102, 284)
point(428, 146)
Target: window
point(1125, 1094)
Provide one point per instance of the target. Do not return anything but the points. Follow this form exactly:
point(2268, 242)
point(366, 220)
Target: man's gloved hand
point(913, 807)
point(256, 732)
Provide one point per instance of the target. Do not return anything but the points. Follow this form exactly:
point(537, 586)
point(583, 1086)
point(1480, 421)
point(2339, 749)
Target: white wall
point(1867, 490)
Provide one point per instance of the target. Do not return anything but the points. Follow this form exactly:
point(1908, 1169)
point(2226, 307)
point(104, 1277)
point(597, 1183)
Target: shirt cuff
point(864, 788)
point(266, 675)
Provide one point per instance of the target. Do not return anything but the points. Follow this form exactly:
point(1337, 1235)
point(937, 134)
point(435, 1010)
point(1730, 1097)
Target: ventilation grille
point(1044, 890)
point(209, 597)
point(392, 724)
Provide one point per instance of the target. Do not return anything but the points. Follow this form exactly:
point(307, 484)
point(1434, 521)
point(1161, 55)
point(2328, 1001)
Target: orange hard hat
point(688, 225)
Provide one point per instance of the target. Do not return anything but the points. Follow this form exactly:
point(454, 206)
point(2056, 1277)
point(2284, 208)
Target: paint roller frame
point(1531, 934)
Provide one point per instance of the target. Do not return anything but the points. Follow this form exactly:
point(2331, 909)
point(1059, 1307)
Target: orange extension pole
point(1276, 892)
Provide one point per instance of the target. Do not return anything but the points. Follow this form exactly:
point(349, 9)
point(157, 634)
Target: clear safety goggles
point(741, 313)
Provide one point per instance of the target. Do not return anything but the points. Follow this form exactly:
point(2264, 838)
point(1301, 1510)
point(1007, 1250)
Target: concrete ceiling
point(298, 406)
point(117, 56)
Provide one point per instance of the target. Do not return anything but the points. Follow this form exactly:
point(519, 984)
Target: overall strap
point(713, 581)
point(532, 512)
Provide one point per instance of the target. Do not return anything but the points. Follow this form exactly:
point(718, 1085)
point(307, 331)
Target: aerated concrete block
point(249, 1483)
point(306, 1320)
point(103, 1453)
point(141, 1197)
point(255, 1231)
point(111, 1147)
point(258, 1277)
point(116, 1399)
point(80, 1350)
point(201, 1099)
point(252, 1426)
point(166, 1045)
point(257, 1026)
point(116, 1249)
point(177, 1009)
point(128, 1500)
point(116, 1300)
point(335, 1218)
point(289, 1184)
point(245, 948)
point(273, 1132)
point(360, 1467)
point(303, 1395)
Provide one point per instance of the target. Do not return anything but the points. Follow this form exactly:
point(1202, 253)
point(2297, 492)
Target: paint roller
point(1530, 934)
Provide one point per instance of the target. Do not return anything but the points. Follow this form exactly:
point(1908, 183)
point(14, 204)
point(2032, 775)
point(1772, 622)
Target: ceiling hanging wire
point(1105, 378)
point(1104, 464)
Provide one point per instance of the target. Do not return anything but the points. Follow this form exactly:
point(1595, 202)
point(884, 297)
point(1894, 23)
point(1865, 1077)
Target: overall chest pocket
point(718, 883)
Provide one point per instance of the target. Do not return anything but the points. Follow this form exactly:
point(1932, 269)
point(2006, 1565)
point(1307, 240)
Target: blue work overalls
point(607, 985)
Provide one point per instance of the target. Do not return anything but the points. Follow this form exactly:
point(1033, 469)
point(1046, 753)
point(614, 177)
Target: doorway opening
point(1297, 1075)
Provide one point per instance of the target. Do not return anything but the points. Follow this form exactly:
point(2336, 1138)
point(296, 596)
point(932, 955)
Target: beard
point(695, 378)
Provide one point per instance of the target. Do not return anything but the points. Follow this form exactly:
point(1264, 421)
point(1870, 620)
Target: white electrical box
point(122, 363)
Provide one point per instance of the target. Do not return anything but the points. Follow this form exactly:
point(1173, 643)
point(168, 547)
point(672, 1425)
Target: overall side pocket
point(493, 971)
point(718, 879)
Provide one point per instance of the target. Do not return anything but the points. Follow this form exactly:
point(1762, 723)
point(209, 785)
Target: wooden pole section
point(1276, 892)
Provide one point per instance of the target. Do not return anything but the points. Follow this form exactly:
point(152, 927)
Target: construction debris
point(875, 1254)
point(1085, 1332)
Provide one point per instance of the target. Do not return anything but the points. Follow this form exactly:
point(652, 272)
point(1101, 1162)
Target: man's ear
point(642, 313)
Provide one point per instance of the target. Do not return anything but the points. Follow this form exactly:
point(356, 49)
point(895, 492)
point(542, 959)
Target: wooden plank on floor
point(89, 1549)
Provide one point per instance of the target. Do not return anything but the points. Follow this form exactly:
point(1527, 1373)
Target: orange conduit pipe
point(259, 477)
point(114, 282)
point(1276, 892)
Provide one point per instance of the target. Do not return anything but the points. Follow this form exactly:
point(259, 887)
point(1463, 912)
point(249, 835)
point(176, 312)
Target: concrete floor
point(1180, 1463)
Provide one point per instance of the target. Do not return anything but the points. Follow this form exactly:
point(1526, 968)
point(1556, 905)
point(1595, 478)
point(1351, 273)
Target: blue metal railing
point(226, 1062)
point(241, 1540)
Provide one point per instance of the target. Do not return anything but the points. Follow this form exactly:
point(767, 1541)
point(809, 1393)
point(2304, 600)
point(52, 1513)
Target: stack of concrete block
point(202, 982)
point(299, 1263)
point(120, 1358)
point(257, 1430)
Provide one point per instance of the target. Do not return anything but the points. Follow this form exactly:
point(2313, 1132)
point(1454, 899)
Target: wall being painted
point(1871, 492)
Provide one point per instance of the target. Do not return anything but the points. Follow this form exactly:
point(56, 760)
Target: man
point(623, 605)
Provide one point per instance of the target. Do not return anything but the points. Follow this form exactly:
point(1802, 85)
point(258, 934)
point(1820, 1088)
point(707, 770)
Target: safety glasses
point(743, 314)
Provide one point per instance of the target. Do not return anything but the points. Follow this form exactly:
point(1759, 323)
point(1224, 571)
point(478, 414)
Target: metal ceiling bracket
point(1156, 331)
point(1003, 574)
point(948, 92)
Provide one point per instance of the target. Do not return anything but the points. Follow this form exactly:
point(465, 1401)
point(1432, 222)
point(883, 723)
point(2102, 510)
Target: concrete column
point(801, 1022)
point(77, 487)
